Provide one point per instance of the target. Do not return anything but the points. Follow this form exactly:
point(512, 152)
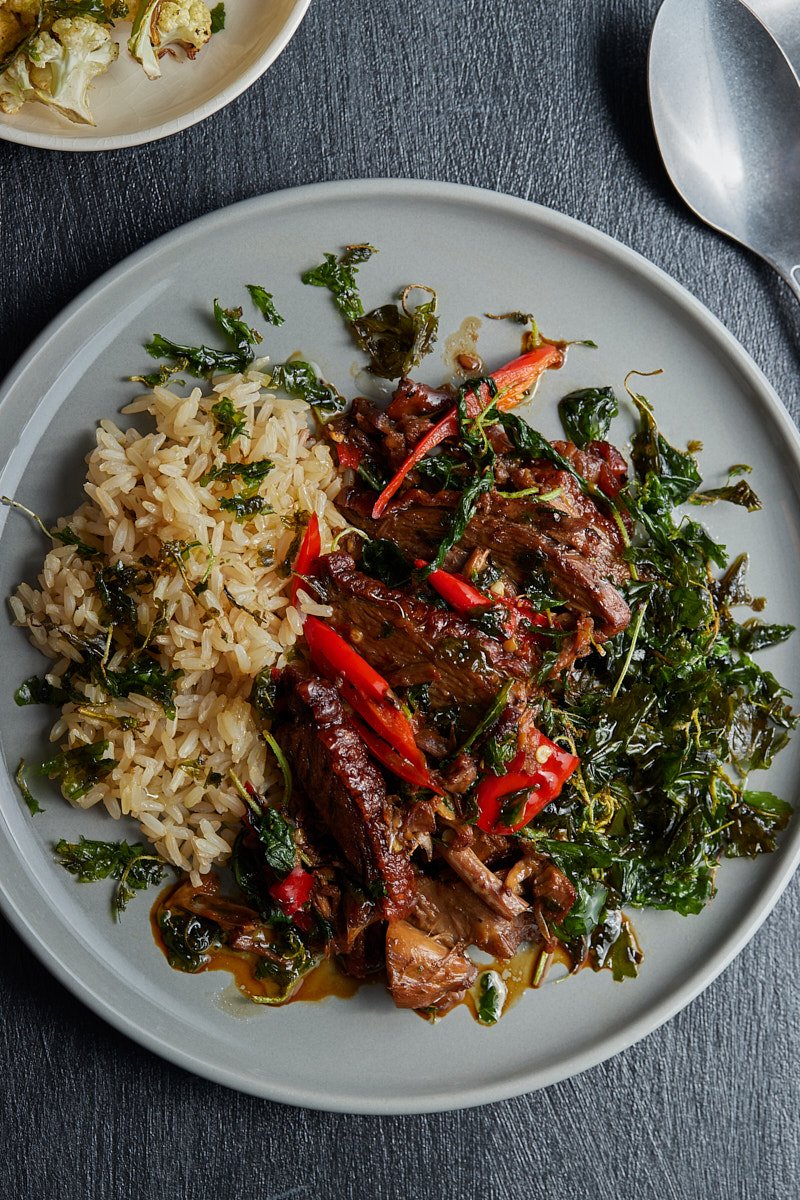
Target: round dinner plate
point(482, 253)
point(130, 109)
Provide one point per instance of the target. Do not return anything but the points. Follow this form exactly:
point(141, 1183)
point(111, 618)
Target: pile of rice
point(143, 491)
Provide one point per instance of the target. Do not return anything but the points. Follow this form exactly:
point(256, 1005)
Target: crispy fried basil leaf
point(132, 865)
point(587, 414)
point(396, 336)
point(383, 559)
point(79, 769)
point(260, 297)
point(301, 380)
point(338, 275)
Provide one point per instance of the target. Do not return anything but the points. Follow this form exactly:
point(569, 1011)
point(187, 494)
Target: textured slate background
point(542, 100)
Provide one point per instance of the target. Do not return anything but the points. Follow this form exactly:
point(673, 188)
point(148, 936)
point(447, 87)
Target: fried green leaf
point(587, 414)
point(261, 298)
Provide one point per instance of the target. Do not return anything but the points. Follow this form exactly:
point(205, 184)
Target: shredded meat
point(423, 973)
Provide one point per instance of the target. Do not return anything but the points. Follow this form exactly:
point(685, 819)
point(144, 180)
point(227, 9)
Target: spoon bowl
point(725, 103)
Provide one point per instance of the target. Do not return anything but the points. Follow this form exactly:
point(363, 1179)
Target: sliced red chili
point(395, 762)
point(307, 555)
point(457, 591)
point(512, 382)
point(542, 785)
point(292, 892)
point(334, 656)
point(364, 689)
point(348, 455)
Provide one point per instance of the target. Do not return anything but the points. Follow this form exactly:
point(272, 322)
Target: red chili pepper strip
point(544, 785)
point(364, 689)
point(292, 892)
point(513, 381)
point(336, 657)
point(349, 456)
point(389, 723)
point(391, 759)
point(307, 555)
point(458, 593)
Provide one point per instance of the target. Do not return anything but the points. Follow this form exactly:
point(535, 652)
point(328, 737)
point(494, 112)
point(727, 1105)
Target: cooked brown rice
point(143, 490)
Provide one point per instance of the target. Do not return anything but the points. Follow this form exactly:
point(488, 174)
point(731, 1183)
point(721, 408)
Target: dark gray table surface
point(541, 100)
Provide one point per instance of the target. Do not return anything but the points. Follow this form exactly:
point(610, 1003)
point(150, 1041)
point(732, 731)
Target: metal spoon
point(725, 103)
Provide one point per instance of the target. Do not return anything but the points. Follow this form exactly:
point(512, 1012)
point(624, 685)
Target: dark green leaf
point(197, 360)
point(299, 379)
point(397, 337)
point(251, 474)
point(79, 769)
point(188, 939)
point(239, 333)
point(262, 694)
point(338, 275)
point(587, 414)
point(131, 865)
point(33, 804)
point(492, 993)
point(245, 507)
point(69, 537)
point(260, 297)
point(463, 514)
point(218, 18)
point(230, 422)
point(276, 841)
point(383, 559)
point(36, 690)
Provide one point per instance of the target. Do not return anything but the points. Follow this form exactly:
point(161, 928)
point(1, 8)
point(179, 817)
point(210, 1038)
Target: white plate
point(482, 252)
point(131, 109)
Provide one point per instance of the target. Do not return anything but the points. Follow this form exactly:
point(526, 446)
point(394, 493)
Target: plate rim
point(530, 1079)
point(57, 141)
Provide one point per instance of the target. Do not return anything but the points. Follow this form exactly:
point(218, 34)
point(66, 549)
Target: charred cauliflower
point(161, 24)
point(57, 68)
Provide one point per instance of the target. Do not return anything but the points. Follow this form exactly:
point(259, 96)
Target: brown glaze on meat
point(396, 633)
point(346, 789)
point(574, 548)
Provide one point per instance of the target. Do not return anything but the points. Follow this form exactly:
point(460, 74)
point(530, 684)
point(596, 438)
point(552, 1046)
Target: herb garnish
point(33, 804)
point(299, 379)
point(79, 769)
point(397, 337)
point(133, 867)
point(587, 414)
point(338, 275)
point(230, 422)
point(218, 17)
point(655, 720)
point(260, 297)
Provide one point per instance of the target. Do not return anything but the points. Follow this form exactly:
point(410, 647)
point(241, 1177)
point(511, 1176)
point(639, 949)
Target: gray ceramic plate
point(482, 252)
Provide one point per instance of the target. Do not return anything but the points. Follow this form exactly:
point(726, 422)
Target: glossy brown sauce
point(525, 971)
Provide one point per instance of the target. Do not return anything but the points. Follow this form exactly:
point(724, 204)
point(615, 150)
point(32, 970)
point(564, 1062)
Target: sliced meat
point(568, 543)
point(450, 912)
point(346, 789)
point(395, 632)
point(422, 973)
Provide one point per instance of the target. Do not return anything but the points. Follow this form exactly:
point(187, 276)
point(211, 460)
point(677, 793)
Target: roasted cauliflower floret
point(162, 24)
point(11, 33)
point(58, 67)
point(26, 10)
